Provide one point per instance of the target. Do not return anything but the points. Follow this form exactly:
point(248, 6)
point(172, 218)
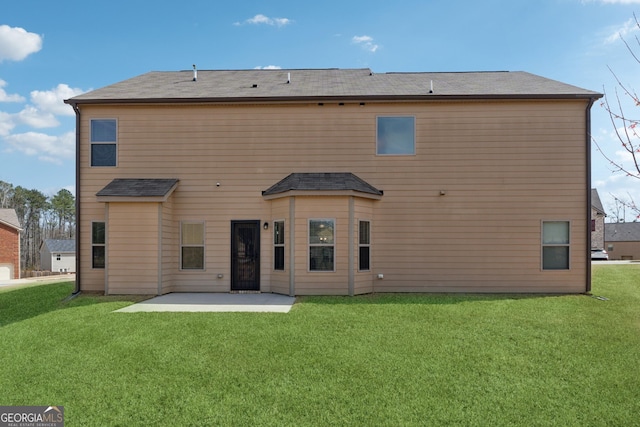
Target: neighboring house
point(622, 240)
point(333, 182)
point(9, 245)
point(597, 221)
point(58, 255)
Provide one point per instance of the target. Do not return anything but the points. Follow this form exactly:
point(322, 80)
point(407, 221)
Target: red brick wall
point(9, 248)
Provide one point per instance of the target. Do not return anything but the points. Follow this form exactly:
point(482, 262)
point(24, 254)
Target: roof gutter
point(588, 189)
point(322, 99)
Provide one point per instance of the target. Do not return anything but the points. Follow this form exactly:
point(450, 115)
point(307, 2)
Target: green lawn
point(371, 360)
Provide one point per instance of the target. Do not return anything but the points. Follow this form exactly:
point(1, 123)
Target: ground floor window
point(98, 245)
point(278, 245)
point(555, 245)
point(192, 246)
point(364, 245)
point(321, 244)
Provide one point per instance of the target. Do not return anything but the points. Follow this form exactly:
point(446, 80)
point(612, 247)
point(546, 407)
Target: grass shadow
point(421, 298)
point(24, 303)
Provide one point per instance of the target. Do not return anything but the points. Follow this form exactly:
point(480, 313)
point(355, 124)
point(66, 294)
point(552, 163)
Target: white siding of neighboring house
point(66, 263)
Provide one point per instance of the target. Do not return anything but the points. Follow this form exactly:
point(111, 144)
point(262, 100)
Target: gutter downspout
point(78, 248)
point(588, 228)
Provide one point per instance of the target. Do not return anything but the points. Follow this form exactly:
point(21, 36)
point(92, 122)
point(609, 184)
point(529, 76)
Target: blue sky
point(52, 50)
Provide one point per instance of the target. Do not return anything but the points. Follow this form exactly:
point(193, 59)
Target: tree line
point(40, 217)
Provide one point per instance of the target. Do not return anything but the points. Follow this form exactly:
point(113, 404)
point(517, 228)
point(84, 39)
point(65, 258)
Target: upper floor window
point(104, 142)
point(396, 135)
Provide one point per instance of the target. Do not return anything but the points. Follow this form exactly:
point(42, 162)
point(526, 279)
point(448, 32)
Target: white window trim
point(368, 245)
point(116, 142)
point(543, 245)
point(203, 245)
point(104, 245)
point(415, 131)
point(310, 245)
point(279, 245)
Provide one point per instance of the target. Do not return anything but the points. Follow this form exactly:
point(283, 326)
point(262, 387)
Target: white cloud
point(6, 123)
point(31, 116)
point(42, 113)
point(268, 67)
point(260, 19)
point(51, 101)
point(622, 31)
point(366, 42)
point(5, 97)
point(16, 43)
point(48, 148)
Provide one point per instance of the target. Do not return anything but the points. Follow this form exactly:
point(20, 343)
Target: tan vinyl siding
point(623, 250)
point(322, 282)
point(93, 279)
point(363, 280)
point(169, 242)
point(279, 280)
point(504, 165)
point(217, 254)
point(133, 248)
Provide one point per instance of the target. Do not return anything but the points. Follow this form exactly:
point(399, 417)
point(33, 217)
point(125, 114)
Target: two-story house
point(333, 181)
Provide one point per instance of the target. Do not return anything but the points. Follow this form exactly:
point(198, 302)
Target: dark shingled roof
point(329, 181)
point(596, 203)
point(326, 84)
point(58, 245)
point(622, 232)
point(138, 187)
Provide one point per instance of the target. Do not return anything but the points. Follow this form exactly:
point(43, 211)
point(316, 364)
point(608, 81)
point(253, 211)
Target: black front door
point(245, 255)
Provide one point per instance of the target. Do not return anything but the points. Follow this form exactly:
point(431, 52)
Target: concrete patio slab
point(214, 302)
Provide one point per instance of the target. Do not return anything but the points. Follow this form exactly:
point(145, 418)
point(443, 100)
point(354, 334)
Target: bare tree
point(618, 209)
point(6, 194)
point(626, 127)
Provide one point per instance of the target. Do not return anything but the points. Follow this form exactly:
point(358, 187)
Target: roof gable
point(318, 84)
point(10, 218)
point(596, 203)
